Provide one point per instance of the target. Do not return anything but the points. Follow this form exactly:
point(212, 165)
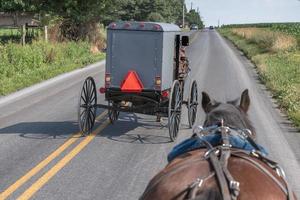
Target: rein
point(219, 155)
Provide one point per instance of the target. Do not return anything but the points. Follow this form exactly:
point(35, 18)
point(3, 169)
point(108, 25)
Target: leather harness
point(218, 157)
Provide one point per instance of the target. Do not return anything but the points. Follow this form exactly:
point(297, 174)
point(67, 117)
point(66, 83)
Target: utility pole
point(191, 5)
point(183, 14)
point(218, 23)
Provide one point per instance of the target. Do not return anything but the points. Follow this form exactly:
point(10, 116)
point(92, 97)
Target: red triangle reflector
point(132, 83)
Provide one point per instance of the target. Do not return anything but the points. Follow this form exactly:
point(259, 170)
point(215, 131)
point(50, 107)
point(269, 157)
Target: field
point(275, 49)
point(292, 28)
point(288, 28)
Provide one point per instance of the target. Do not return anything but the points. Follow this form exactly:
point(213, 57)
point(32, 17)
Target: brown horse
point(194, 175)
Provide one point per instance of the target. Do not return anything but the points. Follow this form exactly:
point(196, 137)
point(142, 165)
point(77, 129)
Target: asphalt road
point(118, 160)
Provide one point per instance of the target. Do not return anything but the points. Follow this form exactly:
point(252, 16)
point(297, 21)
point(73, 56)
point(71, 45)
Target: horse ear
point(245, 101)
point(206, 102)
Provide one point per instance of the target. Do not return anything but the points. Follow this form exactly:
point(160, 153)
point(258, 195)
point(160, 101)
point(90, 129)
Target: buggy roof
point(143, 26)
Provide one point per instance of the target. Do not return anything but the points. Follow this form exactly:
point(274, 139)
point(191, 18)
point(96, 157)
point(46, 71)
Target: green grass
point(22, 66)
point(8, 31)
point(9, 35)
point(280, 72)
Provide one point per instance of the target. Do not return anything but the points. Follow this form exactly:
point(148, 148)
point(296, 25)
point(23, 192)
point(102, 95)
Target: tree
point(76, 16)
point(193, 17)
point(155, 17)
point(15, 6)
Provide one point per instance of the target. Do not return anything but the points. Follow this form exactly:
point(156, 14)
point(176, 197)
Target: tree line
point(76, 16)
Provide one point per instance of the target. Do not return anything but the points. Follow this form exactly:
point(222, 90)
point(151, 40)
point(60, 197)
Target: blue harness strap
point(214, 139)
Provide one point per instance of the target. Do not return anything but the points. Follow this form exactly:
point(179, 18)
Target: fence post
point(46, 33)
point(23, 34)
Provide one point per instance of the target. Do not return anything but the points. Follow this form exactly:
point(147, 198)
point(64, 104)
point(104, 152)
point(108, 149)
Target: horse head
point(233, 113)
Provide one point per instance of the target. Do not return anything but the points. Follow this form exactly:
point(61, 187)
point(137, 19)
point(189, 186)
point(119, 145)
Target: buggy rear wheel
point(192, 103)
point(87, 106)
point(174, 112)
point(113, 115)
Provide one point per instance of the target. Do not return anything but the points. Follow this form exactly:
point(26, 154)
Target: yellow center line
point(38, 167)
point(6, 193)
point(63, 162)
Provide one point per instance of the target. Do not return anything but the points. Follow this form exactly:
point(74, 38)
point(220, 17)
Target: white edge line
point(34, 88)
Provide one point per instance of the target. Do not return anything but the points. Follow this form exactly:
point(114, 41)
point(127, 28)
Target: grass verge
point(278, 69)
point(23, 66)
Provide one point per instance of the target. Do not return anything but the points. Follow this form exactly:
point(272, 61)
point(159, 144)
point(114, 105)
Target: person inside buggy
point(183, 63)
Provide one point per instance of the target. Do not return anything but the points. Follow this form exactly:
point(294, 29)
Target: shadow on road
point(130, 128)
point(42, 130)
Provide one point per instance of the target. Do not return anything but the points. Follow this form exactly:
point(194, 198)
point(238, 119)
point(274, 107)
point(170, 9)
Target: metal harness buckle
point(235, 186)
point(255, 154)
point(280, 171)
point(227, 145)
point(213, 150)
point(199, 183)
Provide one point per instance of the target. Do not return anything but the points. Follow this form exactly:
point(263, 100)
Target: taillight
point(102, 90)
point(157, 82)
point(142, 25)
point(127, 25)
point(156, 27)
point(107, 80)
point(113, 25)
point(165, 94)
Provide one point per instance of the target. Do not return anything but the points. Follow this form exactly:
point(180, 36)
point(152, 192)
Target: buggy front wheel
point(113, 115)
point(192, 103)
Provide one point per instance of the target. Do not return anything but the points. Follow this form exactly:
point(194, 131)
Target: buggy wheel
point(113, 115)
point(174, 112)
point(192, 103)
point(87, 106)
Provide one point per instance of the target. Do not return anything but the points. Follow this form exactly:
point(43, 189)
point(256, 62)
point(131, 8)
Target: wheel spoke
point(83, 99)
point(176, 126)
point(83, 106)
point(177, 95)
point(88, 91)
point(84, 91)
point(83, 112)
point(94, 115)
point(91, 90)
point(89, 122)
point(83, 125)
point(177, 118)
point(94, 97)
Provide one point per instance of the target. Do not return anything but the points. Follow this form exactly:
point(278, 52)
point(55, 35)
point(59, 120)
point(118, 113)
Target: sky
point(246, 11)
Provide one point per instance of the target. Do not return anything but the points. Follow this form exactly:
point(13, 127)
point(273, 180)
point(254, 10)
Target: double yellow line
point(57, 167)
